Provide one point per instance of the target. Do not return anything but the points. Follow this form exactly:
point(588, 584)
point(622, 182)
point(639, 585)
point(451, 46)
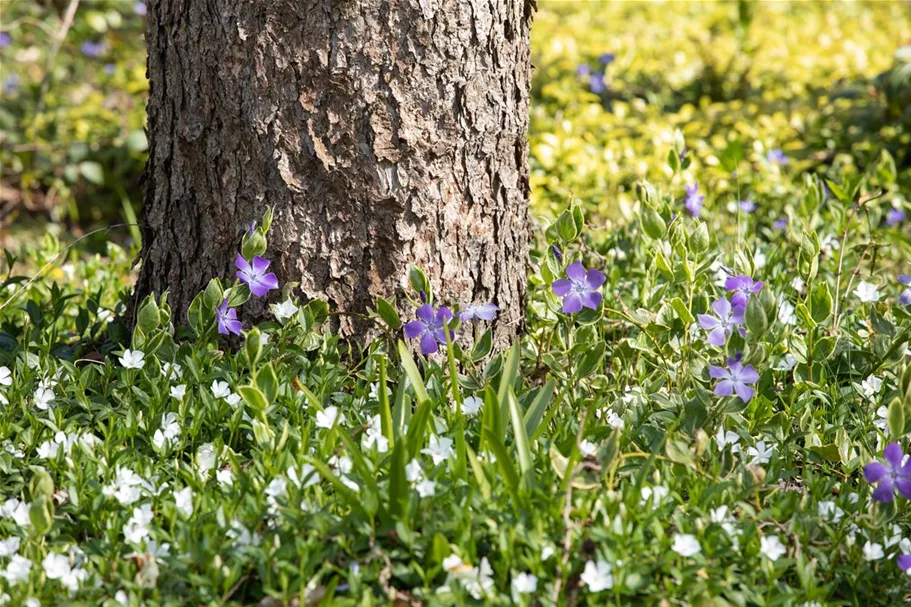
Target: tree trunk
point(384, 133)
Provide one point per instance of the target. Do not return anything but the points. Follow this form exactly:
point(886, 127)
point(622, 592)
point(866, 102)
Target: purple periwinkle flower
point(905, 298)
point(486, 311)
point(776, 156)
point(606, 58)
point(904, 563)
point(255, 276)
point(109, 68)
point(430, 328)
point(780, 223)
point(5, 40)
point(743, 286)
point(747, 206)
point(557, 252)
point(596, 83)
point(894, 474)
point(93, 49)
point(895, 217)
point(694, 199)
point(227, 319)
point(721, 326)
point(140, 9)
point(583, 69)
point(735, 379)
point(580, 288)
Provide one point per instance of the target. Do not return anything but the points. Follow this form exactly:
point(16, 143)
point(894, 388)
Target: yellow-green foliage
point(798, 76)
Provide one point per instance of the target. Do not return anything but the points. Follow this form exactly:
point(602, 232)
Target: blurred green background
point(827, 83)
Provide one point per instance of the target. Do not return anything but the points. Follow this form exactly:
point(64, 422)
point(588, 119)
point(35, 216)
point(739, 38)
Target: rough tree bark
point(383, 132)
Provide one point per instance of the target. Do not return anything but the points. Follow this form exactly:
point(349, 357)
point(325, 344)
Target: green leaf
point(756, 319)
point(590, 361)
point(828, 453)
point(504, 462)
point(838, 191)
point(388, 314)
point(526, 461)
point(411, 370)
point(417, 428)
point(820, 303)
point(478, 472)
point(535, 411)
point(385, 411)
point(566, 226)
point(401, 411)
point(679, 451)
point(419, 281)
point(652, 223)
point(149, 317)
point(673, 161)
point(482, 347)
point(682, 311)
point(824, 348)
point(267, 382)
point(254, 398)
point(507, 380)
point(896, 419)
point(253, 347)
point(398, 482)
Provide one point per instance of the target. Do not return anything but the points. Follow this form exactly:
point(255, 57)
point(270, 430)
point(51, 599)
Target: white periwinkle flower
point(771, 547)
point(686, 545)
point(439, 449)
point(867, 292)
point(598, 576)
point(132, 359)
point(284, 310)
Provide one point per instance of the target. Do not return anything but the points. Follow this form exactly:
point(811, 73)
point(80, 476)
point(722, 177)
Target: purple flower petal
point(884, 491)
point(707, 321)
point(717, 337)
point(905, 298)
point(904, 487)
point(749, 375)
point(722, 307)
point(724, 388)
point(905, 279)
point(576, 272)
point(740, 300)
point(242, 264)
point(719, 372)
point(414, 328)
point(743, 391)
point(443, 316)
point(426, 314)
point(904, 562)
point(561, 287)
point(893, 454)
point(572, 303)
point(595, 278)
point(591, 300)
point(428, 343)
point(737, 316)
point(260, 265)
point(875, 472)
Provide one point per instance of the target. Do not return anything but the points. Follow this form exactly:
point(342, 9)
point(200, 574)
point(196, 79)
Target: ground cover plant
point(711, 404)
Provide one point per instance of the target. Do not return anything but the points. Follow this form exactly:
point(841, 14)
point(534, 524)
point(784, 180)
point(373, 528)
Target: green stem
point(385, 411)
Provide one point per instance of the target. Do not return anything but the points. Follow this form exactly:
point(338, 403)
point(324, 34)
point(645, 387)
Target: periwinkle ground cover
point(707, 410)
